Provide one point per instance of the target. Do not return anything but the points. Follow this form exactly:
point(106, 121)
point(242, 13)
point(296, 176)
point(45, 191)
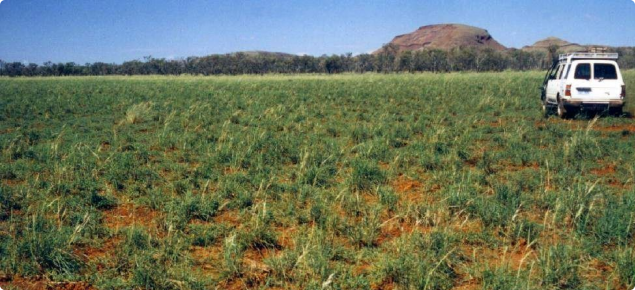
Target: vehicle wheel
point(546, 108)
point(562, 113)
point(618, 111)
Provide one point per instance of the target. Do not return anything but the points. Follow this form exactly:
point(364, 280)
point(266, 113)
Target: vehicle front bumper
point(591, 104)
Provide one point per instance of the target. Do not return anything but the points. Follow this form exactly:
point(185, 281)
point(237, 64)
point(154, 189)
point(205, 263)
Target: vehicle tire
point(546, 109)
point(562, 113)
point(617, 111)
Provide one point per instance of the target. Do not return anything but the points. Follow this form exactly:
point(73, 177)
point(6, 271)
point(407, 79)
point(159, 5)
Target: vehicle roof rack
point(588, 55)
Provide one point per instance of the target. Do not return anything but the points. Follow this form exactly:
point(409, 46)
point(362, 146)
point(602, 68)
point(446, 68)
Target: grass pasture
point(408, 181)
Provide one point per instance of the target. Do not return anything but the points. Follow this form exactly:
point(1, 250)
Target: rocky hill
point(563, 45)
point(444, 36)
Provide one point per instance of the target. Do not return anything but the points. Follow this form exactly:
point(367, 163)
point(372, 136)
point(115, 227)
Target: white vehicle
point(584, 81)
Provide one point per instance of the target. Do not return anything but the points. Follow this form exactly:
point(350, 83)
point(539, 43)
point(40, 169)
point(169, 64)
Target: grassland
point(424, 181)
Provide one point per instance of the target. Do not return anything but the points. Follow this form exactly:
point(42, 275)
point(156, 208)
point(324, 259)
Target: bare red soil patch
point(231, 217)
point(597, 269)
point(617, 128)
point(608, 170)
point(384, 285)
point(413, 191)
point(253, 262)
point(520, 257)
point(361, 269)
point(128, 214)
point(13, 182)
point(207, 259)
point(619, 184)
point(403, 184)
point(516, 257)
point(469, 226)
point(90, 253)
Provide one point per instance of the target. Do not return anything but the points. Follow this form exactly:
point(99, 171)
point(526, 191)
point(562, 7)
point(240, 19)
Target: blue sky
point(115, 31)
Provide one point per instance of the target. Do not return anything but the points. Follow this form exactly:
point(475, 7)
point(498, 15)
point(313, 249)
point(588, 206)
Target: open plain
point(395, 181)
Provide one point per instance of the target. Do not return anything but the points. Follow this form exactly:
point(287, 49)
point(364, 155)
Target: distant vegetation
point(385, 61)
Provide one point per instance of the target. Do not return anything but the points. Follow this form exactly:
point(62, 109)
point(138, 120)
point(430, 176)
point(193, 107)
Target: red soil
point(412, 191)
point(608, 170)
point(231, 217)
point(404, 185)
point(90, 253)
point(516, 257)
point(128, 214)
point(207, 259)
point(13, 182)
point(617, 128)
point(361, 269)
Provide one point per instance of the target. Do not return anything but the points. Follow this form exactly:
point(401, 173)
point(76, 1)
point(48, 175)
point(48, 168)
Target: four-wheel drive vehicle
point(583, 81)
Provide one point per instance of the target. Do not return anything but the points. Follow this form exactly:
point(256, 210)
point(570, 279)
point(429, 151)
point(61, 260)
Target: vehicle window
point(567, 69)
point(552, 74)
point(560, 72)
point(604, 71)
point(555, 73)
point(583, 71)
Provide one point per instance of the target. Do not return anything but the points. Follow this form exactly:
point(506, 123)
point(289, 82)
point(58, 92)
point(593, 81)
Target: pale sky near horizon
point(115, 31)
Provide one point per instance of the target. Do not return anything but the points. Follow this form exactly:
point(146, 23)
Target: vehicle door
point(606, 83)
point(546, 80)
point(561, 79)
point(581, 87)
point(553, 84)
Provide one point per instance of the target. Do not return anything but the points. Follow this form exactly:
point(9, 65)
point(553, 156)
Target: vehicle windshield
point(583, 71)
point(604, 71)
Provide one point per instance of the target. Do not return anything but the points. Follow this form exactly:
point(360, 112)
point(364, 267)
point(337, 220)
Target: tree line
point(386, 61)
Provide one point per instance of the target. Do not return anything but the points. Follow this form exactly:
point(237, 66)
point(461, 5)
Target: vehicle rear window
point(583, 71)
point(604, 71)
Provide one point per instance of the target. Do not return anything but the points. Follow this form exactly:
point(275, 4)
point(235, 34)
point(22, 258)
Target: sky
point(115, 31)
